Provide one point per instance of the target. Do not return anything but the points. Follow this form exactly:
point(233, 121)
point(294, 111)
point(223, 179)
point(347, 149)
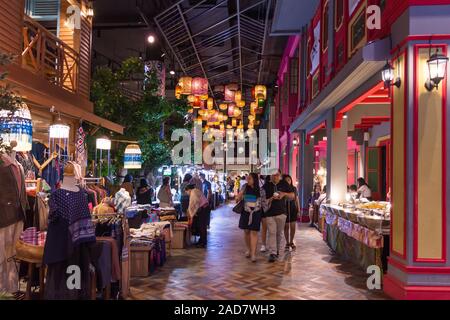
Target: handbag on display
point(239, 207)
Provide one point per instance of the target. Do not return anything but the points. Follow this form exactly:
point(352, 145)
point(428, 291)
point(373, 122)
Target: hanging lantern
point(234, 122)
point(251, 117)
point(191, 98)
point(197, 102)
point(230, 92)
point(17, 127)
point(260, 92)
point(204, 97)
point(202, 112)
point(231, 110)
point(237, 113)
point(103, 143)
point(178, 91)
point(238, 96)
point(199, 86)
point(59, 130)
point(257, 122)
point(186, 85)
point(225, 117)
point(132, 157)
point(210, 103)
point(241, 103)
point(223, 106)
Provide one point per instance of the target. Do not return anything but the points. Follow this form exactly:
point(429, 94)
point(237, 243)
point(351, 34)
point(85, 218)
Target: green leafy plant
point(147, 118)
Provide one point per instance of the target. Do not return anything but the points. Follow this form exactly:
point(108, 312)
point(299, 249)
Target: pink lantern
point(199, 86)
point(230, 92)
point(231, 110)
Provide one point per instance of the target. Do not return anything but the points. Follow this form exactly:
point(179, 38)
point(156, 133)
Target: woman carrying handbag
point(250, 204)
point(292, 216)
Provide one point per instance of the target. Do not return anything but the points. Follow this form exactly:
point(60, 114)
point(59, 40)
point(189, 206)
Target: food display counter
point(358, 232)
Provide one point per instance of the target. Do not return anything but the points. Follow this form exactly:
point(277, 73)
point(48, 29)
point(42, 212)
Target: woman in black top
point(292, 215)
point(145, 193)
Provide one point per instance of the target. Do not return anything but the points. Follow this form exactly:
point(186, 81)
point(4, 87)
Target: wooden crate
point(179, 238)
point(140, 261)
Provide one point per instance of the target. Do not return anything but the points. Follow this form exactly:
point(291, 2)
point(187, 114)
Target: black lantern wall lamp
point(437, 69)
point(388, 76)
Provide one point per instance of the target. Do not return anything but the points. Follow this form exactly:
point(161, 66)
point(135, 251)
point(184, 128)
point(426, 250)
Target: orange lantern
point(223, 106)
point(251, 117)
point(210, 103)
point(233, 122)
point(186, 85)
point(237, 113)
point(204, 97)
point(238, 96)
point(241, 103)
point(191, 98)
point(178, 91)
point(260, 92)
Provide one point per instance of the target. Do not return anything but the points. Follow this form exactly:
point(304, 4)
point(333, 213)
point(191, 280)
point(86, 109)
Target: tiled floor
point(222, 271)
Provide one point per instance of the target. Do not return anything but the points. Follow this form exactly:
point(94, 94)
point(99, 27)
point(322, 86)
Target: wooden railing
point(45, 54)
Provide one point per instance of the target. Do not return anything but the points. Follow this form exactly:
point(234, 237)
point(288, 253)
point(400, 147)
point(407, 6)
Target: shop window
point(293, 74)
point(357, 31)
point(325, 19)
point(339, 14)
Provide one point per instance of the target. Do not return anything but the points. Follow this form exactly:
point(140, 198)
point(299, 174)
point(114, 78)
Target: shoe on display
point(263, 248)
point(272, 258)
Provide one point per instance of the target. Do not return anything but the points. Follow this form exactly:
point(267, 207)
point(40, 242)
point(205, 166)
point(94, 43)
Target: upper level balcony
point(49, 57)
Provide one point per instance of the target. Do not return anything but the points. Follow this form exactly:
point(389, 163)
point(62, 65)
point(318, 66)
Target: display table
point(357, 235)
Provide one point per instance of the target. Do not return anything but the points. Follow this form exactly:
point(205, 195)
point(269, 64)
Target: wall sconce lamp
point(437, 68)
point(388, 76)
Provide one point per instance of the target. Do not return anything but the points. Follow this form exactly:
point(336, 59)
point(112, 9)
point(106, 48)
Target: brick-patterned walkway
point(222, 271)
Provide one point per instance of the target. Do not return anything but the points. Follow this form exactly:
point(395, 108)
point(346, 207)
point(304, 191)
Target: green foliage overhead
point(143, 117)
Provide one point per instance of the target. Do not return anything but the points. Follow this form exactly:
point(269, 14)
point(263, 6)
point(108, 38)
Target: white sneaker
point(263, 248)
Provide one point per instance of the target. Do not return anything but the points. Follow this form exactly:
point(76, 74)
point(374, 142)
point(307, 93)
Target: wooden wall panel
point(85, 57)
point(11, 20)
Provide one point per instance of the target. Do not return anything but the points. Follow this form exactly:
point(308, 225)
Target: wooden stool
point(31, 265)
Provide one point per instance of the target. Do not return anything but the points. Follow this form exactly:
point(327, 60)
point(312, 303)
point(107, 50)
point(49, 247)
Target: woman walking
point(250, 220)
point(198, 214)
point(292, 216)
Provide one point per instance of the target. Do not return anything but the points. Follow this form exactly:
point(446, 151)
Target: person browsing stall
point(364, 191)
point(198, 213)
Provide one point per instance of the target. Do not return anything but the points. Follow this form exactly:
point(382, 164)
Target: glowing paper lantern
point(197, 102)
point(260, 92)
point(223, 106)
point(186, 85)
point(230, 92)
point(17, 127)
point(241, 103)
point(237, 113)
point(199, 86)
point(234, 122)
point(178, 91)
point(191, 98)
point(204, 97)
point(59, 130)
point(238, 96)
point(103, 143)
point(251, 117)
point(231, 110)
point(210, 103)
point(132, 157)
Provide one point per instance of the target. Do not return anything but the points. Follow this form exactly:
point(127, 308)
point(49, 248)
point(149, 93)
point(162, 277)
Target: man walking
point(277, 193)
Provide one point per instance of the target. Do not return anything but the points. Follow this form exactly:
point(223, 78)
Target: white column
point(337, 161)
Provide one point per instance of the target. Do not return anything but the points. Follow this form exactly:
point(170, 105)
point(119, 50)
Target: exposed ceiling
point(224, 40)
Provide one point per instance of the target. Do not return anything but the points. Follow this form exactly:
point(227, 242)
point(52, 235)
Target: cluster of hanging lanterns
point(230, 104)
